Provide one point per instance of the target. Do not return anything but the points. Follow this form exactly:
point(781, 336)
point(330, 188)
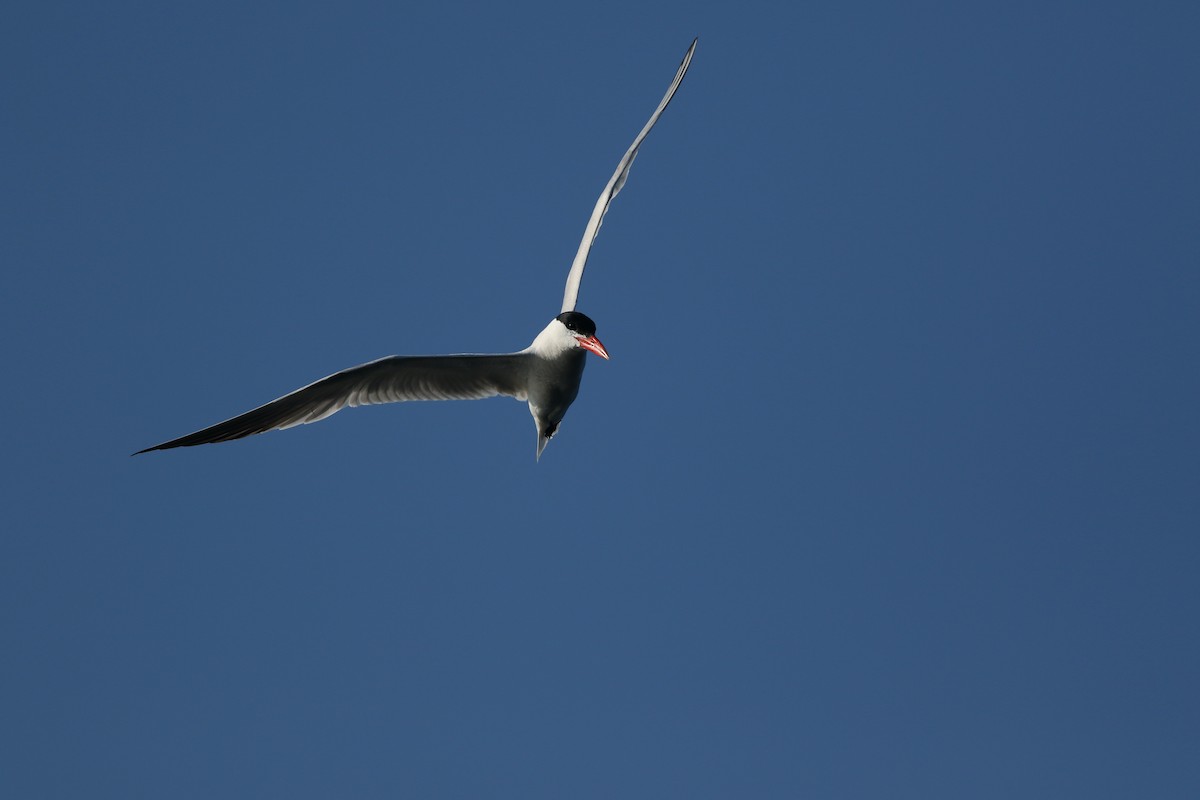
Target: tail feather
point(544, 435)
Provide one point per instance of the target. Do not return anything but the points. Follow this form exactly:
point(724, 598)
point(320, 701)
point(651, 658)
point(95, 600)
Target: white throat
point(554, 340)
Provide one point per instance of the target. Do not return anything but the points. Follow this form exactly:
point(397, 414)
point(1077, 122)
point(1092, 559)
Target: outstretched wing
point(571, 295)
point(394, 379)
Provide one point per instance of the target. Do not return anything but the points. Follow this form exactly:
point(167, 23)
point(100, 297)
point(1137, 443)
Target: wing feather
point(395, 379)
point(615, 183)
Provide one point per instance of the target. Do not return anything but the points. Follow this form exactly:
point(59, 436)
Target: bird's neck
point(553, 341)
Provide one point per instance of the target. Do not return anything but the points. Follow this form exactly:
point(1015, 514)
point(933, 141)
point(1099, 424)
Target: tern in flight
point(546, 374)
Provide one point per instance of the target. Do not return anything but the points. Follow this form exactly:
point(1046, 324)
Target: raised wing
point(571, 295)
point(394, 379)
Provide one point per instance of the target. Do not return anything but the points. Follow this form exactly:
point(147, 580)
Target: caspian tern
point(546, 374)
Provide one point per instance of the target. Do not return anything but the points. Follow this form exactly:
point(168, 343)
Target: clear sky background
point(891, 488)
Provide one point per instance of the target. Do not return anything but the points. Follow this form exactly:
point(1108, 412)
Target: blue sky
point(890, 487)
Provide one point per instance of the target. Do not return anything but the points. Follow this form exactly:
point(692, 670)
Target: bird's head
point(583, 331)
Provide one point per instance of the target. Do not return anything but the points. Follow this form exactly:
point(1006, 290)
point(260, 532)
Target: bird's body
point(546, 374)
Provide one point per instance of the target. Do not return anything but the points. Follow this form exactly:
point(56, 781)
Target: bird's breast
point(554, 385)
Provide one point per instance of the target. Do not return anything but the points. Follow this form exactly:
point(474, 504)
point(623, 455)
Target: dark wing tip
point(163, 446)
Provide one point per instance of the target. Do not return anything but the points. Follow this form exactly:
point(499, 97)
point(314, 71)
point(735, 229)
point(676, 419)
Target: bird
point(546, 374)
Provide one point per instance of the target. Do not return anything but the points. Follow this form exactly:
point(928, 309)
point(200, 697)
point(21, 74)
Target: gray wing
point(571, 294)
point(394, 379)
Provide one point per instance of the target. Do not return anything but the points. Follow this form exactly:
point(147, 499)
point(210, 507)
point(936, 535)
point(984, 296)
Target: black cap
point(577, 323)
